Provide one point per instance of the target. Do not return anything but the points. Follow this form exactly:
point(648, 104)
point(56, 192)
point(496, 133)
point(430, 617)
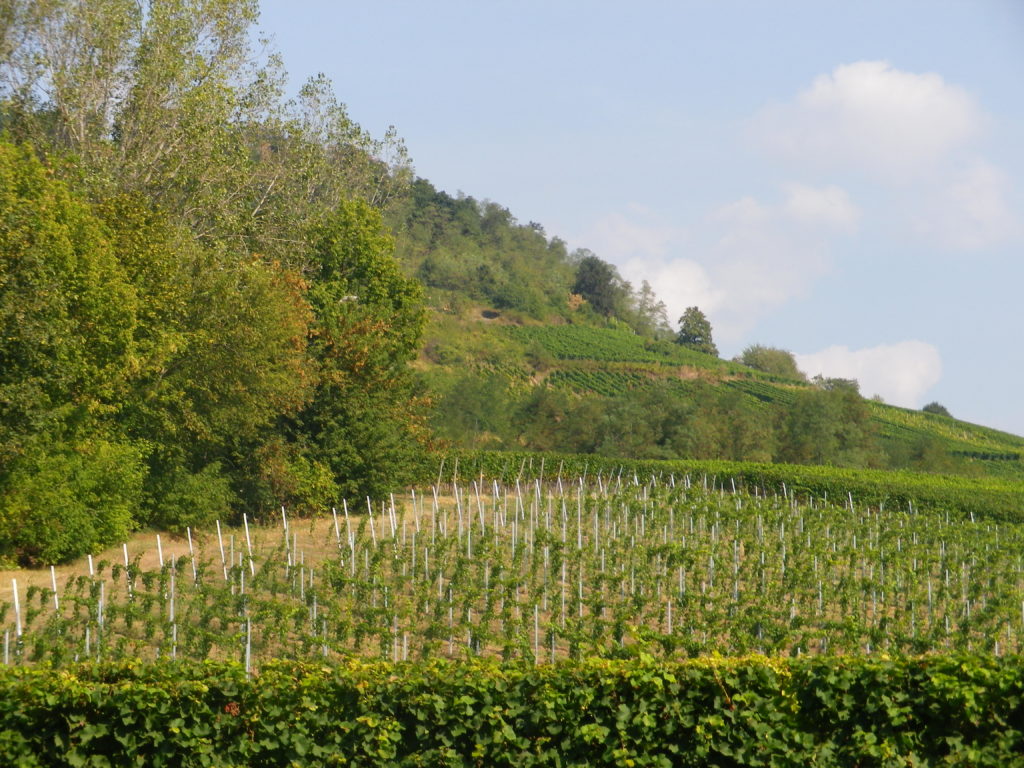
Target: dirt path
point(314, 537)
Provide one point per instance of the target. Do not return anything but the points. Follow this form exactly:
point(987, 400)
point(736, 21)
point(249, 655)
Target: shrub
point(67, 501)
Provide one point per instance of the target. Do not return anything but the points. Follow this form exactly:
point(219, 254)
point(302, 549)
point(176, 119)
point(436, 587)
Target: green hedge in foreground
point(983, 497)
point(740, 712)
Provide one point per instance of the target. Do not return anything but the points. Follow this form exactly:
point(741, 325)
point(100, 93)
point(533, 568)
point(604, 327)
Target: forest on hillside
point(200, 308)
point(217, 298)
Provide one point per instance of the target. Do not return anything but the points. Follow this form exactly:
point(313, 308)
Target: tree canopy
point(201, 307)
point(779, 362)
point(695, 332)
point(938, 409)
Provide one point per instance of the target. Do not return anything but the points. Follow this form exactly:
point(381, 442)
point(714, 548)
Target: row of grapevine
point(992, 498)
point(610, 565)
point(610, 383)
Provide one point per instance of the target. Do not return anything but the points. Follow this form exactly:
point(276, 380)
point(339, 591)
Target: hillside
point(531, 346)
point(251, 303)
point(496, 374)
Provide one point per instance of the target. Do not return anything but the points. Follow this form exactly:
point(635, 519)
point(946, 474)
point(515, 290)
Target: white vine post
point(220, 542)
point(192, 556)
point(127, 572)
point(53, 583)
point(17, 609)
point(248, 544)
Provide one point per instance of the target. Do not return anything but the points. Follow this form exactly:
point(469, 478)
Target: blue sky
point(843, 180)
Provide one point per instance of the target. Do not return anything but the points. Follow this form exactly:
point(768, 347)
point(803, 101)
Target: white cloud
point(871, 117)
point(764, 255)
point(680, 283)
point(636, 232)
point(969, 212)
point(646, 247)
point(744, 260)
point(828, 206)
point(901, 373)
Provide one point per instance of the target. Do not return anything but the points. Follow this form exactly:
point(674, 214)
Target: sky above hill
point(843, 180)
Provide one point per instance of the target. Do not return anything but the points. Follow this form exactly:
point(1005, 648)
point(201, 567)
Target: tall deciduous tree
point(211, 185)
point(68, 316)
point(599, 283)
point(67, 308)
point(695, 332)
point(652, 315)
point(366, 422)
point(167, 99)
point(779, 362)
point(220, 355)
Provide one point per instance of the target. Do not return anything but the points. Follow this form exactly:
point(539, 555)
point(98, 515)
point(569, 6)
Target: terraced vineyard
point(581, 342)
point(967, 439)
point(676, 565)
point(763, 391)
point(612, 362)
point(603, 381)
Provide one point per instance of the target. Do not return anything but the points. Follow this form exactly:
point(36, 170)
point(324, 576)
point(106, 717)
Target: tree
point(651, 314)
point(599, 283)
point(779, 362)
point(366, 422)
point(829, 424)
point(166, 99)
point(937, 408)
point(695, 332)
point(67, 309)
point(219, 200)
point(69, 481)
point(220, 355)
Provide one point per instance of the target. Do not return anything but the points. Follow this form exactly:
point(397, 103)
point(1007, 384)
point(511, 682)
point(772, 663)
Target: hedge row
point(739, 712)
point(981, 497)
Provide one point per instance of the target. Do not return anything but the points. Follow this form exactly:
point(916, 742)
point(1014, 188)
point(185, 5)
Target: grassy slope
point(608, 361)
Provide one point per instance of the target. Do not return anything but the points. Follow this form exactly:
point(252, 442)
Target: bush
point(66, 501)
point(192, 499)
point(756, 711)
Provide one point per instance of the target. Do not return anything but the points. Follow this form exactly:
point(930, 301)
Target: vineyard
point(604, 381)
point(607, 565)
point(994, 447)
point(581, 342)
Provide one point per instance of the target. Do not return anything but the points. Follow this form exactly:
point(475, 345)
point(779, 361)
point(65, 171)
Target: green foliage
point(220, 355)
point(938, 409)
point(191, 500)
point(475, 411)
point(67, 310)
point(599, 283)
point(828, 426)
point(189, 312)
point(745, 712)
point(650, 315)
point(478, 251)
point(965, 496)
point(581, 342)
point(60, 501)
point(695, 332)
point(779, 362)
point(67, 321)
point(365, 420)
point(727, 409)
